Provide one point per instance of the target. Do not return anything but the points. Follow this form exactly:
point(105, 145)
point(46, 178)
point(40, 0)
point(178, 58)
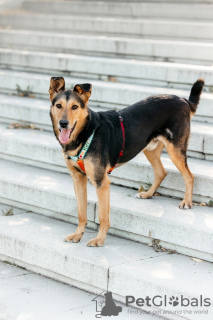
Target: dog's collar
point(83, 152)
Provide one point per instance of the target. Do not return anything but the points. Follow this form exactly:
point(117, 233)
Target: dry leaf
point(22, 126)
point(141, 189)
point(171, 251)
point(112, 79)
point(210, 204)
point(197, 260)
point(8, 212)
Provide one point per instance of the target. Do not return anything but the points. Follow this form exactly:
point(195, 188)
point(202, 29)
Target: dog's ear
point(84, 91)
point(57, 84)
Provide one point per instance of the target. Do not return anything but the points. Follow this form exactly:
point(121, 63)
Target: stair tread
point(112, 60)
point(198, 166)
point(198, 52)
point(201, 132)
point(108, 85)
point(59, 183)
point(196, 126)
point(145, 20)
point(125, 70)
point(100, 37)
point(31, 300)
point(104, 268)
point(105, 94)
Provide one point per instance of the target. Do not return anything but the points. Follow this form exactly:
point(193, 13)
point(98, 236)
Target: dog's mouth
point(65, 134)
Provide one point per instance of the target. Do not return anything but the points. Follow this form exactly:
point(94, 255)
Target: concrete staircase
point(128, 51)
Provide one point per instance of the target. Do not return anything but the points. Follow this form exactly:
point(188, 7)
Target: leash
point(83, 152)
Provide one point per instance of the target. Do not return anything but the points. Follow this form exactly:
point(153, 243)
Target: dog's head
point(69, 110)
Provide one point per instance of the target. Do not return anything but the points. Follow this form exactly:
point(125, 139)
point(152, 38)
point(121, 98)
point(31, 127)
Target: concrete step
point(105, 94)
point(26, 292)
point(164, 10)
point(51, 193)
point(122, 267)
point(36, 112)
point(98, 68)
point(152, 49)
point(42, 149)
point(137, 28)
point(27, 111)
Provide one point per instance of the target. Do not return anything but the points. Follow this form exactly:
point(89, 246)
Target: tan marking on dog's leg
point(160, 173)
point(180, 162)
point(103, 194)
point(80, 186)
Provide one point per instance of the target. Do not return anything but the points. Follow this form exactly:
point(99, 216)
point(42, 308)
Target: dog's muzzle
point(65, 132)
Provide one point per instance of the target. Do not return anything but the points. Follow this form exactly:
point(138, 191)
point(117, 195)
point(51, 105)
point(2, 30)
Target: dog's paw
point(75, 237)
point(96, 242)
point(143, 195)
point(185, 204)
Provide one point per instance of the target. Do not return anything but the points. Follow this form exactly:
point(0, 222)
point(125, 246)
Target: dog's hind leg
point(179, 158)
point(160, 173)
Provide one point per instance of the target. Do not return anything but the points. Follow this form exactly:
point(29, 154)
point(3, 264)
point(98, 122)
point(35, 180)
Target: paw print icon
point(174, 301)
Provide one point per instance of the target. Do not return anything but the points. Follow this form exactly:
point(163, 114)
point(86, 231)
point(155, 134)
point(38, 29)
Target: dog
point(94, 143)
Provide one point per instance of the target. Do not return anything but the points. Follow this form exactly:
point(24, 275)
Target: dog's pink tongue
point(64, 136)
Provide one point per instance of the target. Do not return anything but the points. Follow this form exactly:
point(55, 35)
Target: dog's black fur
point(162, 115)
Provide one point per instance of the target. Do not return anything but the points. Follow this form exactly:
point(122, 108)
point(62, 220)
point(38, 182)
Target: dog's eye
point(59, 106)
point(74, 107)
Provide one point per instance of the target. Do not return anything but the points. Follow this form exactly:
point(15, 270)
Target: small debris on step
point(23, 126)
point(197, 260)
point(172, 251)
point(112, 79)
point(210, 203)
point(141, 189)
point(156, 194)
point(8, 212)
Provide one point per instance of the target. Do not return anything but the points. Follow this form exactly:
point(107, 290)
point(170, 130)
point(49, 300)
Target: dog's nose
point(63, 123)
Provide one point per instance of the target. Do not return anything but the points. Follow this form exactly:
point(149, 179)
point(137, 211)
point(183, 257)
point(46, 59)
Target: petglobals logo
point(164, 301)
point(106, 308)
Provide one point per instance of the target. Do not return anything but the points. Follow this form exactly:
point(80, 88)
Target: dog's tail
point(194, 97)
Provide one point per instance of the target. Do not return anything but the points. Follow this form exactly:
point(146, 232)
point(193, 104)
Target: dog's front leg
point(103, 193)
point(80, 186)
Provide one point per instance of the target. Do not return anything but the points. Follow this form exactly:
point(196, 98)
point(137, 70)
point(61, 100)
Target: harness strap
point(83, 152)
point(81, 164)
point(121, 152)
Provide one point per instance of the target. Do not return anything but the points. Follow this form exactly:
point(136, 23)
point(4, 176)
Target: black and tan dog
point(148, 125)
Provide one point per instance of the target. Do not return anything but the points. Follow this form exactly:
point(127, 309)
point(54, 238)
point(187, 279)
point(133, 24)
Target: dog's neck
point(91, 124)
